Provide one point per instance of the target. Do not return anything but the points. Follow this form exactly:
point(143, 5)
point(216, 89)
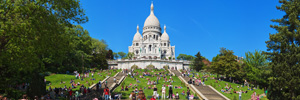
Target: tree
point(197, 63)
point(283, 52)
point(99, 55)
point(185, 57)
point(225, 64)
point(130, 55)
point(116, 56)
point(256, 67)
point(32, 35)
point(109, 54)
point(122, 54)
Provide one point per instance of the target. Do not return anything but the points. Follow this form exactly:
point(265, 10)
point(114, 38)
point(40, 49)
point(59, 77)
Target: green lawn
point(221, 84)
point(55, 79)
point(149, 92)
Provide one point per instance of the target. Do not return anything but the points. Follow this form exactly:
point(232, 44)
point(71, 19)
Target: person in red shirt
point(70, 93)
point(84, 91)
point(152, 98)
point(106, 93)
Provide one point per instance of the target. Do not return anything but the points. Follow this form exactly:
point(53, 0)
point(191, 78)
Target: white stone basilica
point(150, 48)
point(153, 44)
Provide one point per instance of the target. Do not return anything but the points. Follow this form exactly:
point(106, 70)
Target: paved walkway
point(96, 94)
point(205, 90)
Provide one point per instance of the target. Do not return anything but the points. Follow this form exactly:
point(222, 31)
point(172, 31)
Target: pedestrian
point(240, 95)
point(154, 90)
point(170, 93)
point(106, 93)
point(163, 92)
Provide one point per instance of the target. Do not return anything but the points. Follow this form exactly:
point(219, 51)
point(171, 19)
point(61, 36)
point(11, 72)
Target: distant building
point(153, 43)
point(151, 48)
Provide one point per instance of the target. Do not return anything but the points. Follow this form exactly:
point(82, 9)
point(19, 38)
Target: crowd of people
point(154, 78)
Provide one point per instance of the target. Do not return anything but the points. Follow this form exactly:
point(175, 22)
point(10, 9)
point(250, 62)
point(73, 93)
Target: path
point(205, 90)
point(96, 94)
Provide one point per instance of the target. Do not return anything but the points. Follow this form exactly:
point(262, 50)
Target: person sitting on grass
point(149, 82)
point(183, 93)
point(222, 90)
point(126, 88)
point(122, 88)
point(177, 96)
point(136, 90)
point(149, 87)
point(152, 98)
point(137, 80)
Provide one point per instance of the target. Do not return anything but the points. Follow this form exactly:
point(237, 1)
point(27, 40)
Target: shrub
point(150, 67)
point(166, 67)
point(134, 67)
point(47, 73)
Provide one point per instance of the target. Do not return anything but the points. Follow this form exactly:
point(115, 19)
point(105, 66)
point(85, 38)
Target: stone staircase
point(207, 91)
point(110, 84)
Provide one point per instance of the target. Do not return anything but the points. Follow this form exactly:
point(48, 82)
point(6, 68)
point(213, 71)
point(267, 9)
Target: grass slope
point(221, 84)
point(55, 79)
point(149, 92)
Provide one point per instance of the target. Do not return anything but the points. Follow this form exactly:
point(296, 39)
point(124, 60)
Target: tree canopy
point(284, 53)
point(37, 36)
point(185, 57)
point(197, 63)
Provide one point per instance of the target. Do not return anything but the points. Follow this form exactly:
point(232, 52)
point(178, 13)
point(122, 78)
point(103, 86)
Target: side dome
point(152, 19)
point(165, 35)
point(137, 35)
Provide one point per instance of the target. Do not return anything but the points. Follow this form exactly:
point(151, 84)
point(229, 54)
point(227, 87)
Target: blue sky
point(193, 25)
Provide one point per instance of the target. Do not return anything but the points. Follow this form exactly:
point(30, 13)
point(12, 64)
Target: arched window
point(137, 44)
point(136, 51)
point(150, 47)
point(153, 36)
point(165, 44)
point(165, 51)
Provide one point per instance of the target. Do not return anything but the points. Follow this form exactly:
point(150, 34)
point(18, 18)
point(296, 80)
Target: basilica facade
point(152, 44)
point(152, 47)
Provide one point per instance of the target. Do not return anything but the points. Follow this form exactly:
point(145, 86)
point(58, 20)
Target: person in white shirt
point(240, 95)
point(163, 92)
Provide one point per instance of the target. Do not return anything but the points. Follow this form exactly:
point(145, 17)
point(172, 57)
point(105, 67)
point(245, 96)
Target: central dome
point(152, 19)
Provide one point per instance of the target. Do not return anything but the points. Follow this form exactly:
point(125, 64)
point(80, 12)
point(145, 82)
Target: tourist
point(126, 88)
point(115, 80)
point(154, 90)
point(70, 93)
point(183, 93)
point(188, 93)
point(106, 93)
point(240, 95)
point(191, 97)
point(132, 96)
point(76, 95)
point(152, 98)
point(170, 92)
point(163, 92)
point(122, 88)
point(177, 96)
